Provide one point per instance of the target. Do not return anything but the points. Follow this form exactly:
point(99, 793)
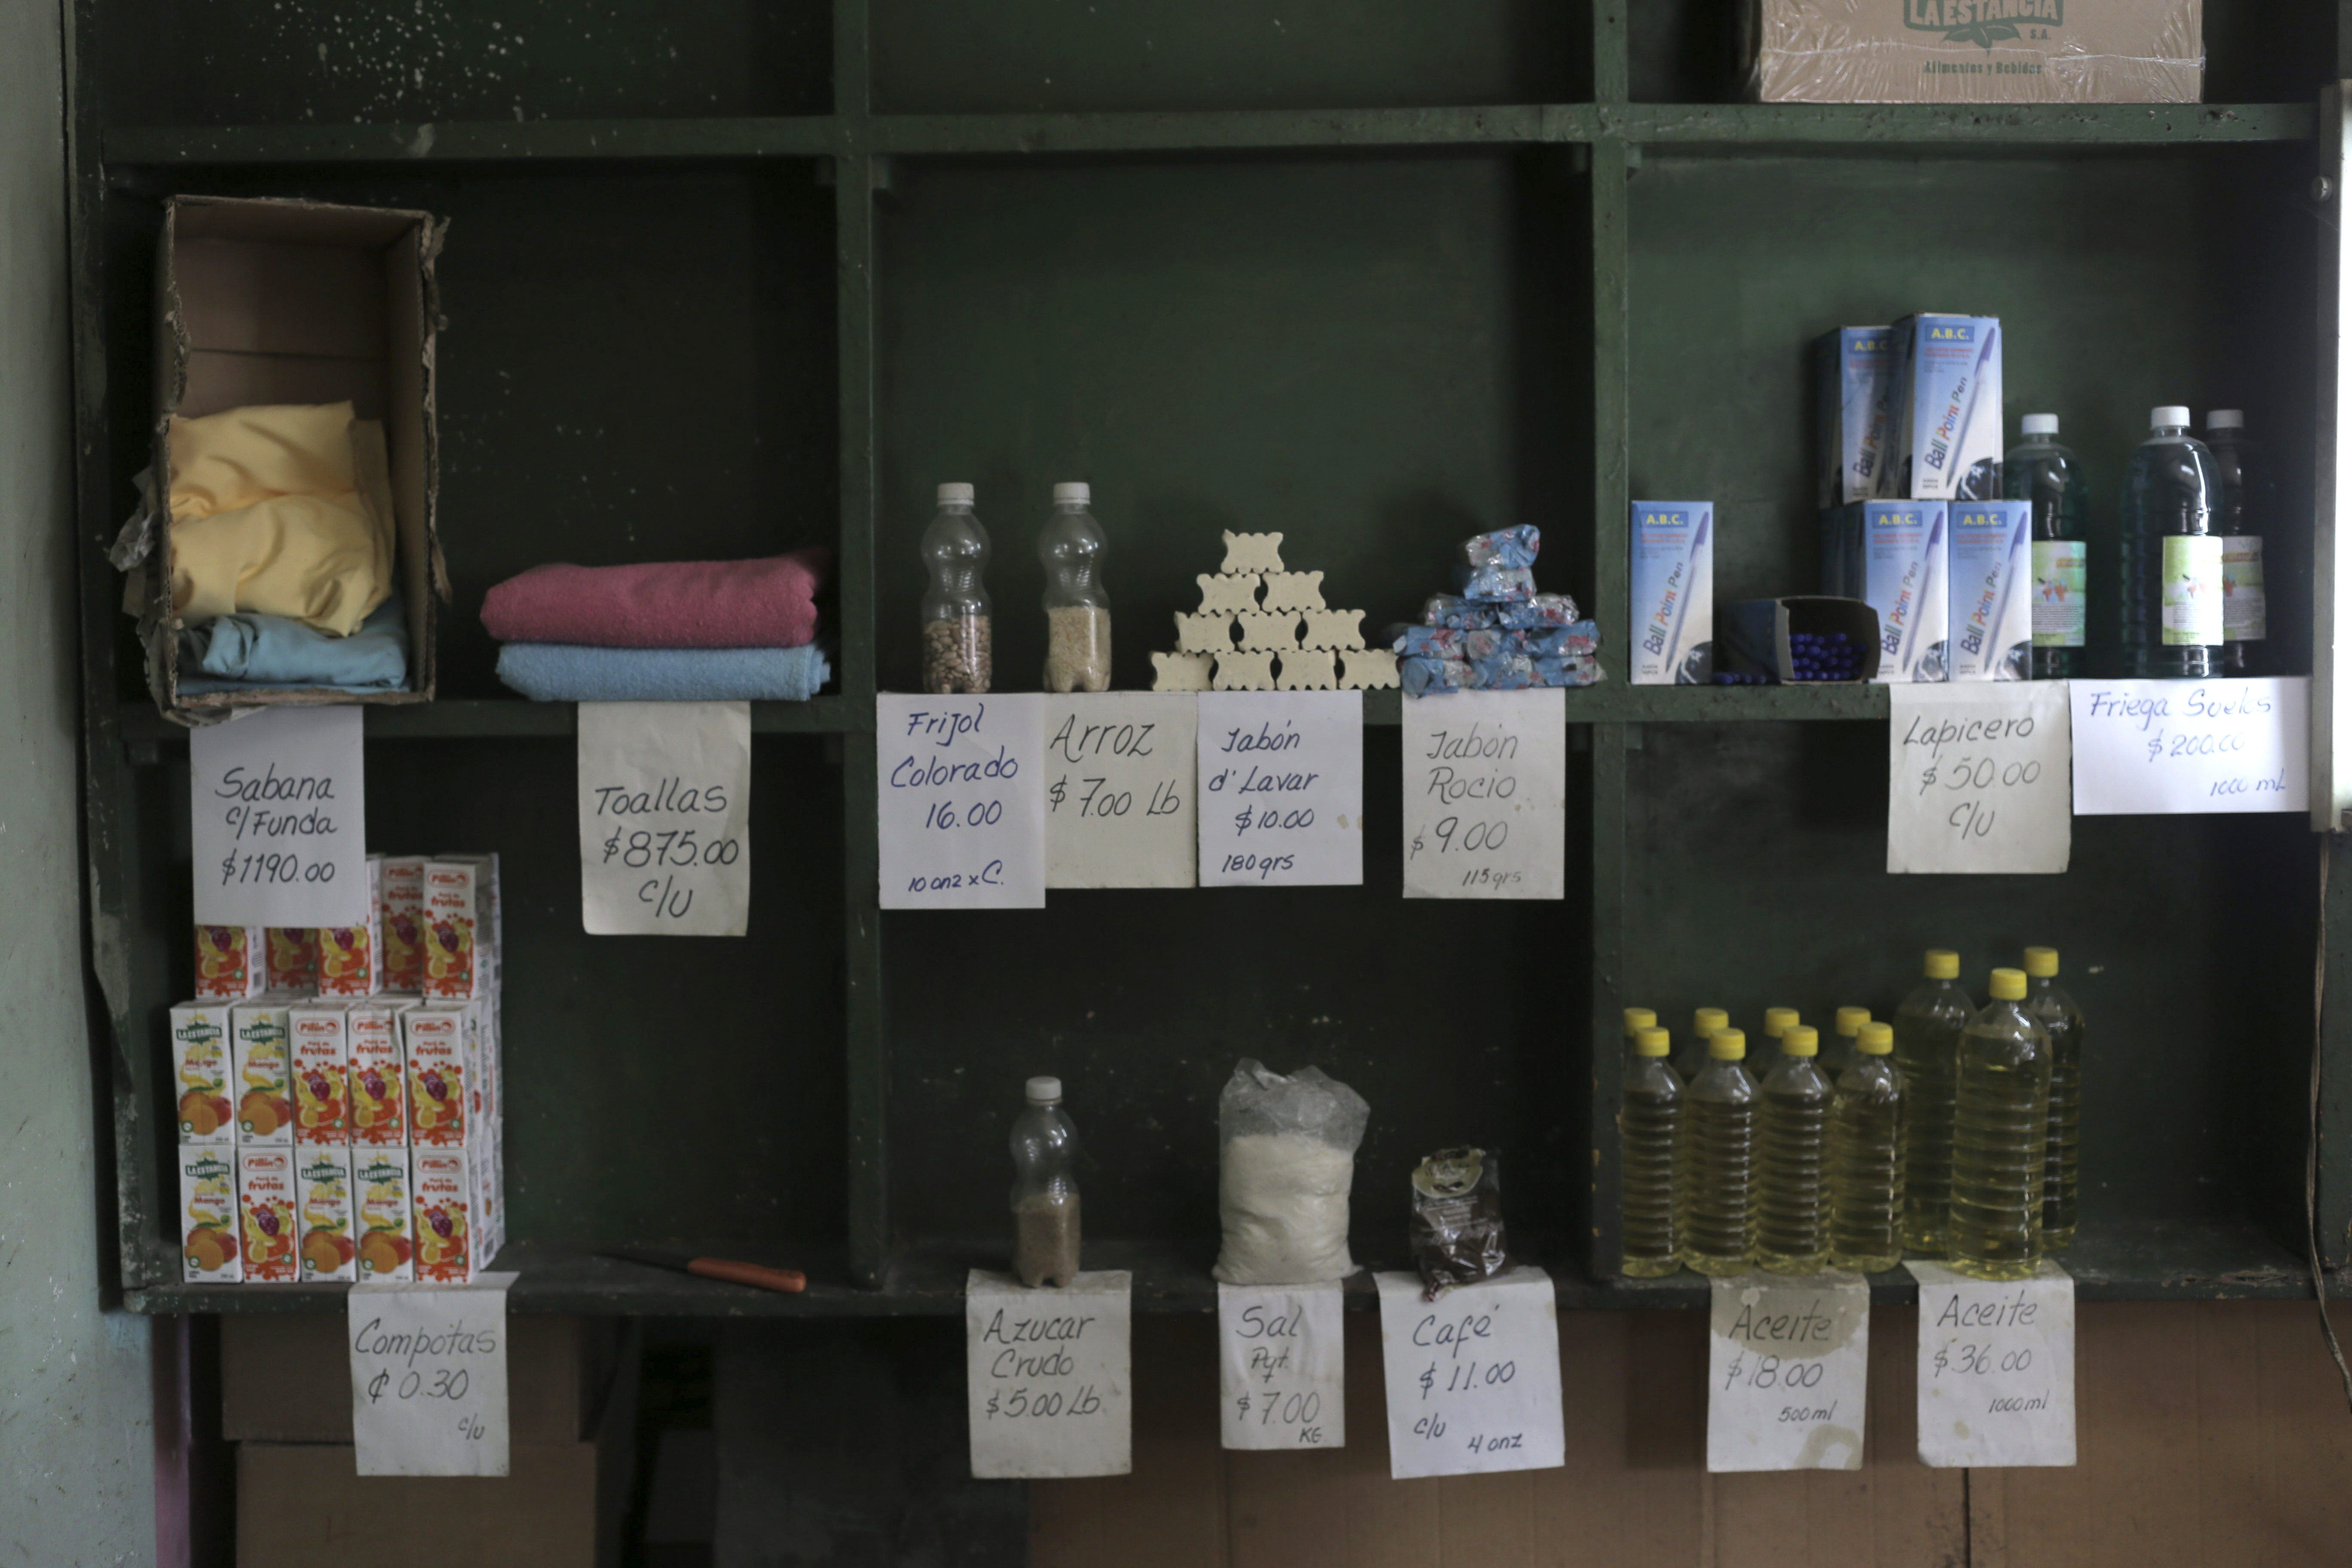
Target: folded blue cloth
point(569, 673)
point(251, 652)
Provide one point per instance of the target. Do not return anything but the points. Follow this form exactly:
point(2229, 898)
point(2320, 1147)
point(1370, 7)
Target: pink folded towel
point(767, 602)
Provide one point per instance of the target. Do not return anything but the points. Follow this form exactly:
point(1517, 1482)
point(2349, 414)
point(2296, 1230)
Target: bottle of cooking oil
point(1866, 1156)
point(1692, 1058)
point(2000, 1137)
point(1792, 1194)
point(1777, 1021)
point(1636, 1020)
point(1646, 1139)
point(1718, 1148)
point(2062, 1020)
point(1837, 1051)
point(1928, 1050)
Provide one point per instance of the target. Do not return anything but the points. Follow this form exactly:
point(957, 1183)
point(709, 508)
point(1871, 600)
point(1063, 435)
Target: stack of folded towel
point(1495, 632)
point(686, 631)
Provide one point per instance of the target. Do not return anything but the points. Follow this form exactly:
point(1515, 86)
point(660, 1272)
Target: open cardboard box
point(1752, 637)
point(286, 301)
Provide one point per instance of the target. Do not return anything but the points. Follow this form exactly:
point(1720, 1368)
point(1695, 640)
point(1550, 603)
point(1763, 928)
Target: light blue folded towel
point(250, 652)
point(570, 672)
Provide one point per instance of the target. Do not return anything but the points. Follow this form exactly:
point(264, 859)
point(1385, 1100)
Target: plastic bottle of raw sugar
point(2040, 470)
point(2171, 555)
point(2246, 508)
point(956, 639)
point(1648, 1127)
point(2001, 1137)
point(1690, 1061)
point(1927, 1049)
point(1792, 1194)
point(1713, 1211)
point(1866, 1157)
point(1837, 1050)
point(1045, 1189)
point(2062, 1020)
point(1077, 608)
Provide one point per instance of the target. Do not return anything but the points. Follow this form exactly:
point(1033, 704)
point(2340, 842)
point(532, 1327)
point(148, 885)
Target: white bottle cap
point(1045, 1092)
point(1064, 494)
point(2040, 424)
point(2170, 413)
point(2225, 419)
point(952, 494)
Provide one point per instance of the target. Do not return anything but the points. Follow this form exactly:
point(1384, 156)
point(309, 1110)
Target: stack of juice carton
point(340, 1090)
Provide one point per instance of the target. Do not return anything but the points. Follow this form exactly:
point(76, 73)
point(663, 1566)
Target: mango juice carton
point(351, 958)
point(381, 1212)
point(322, 1072)
point(443, 1182)
point(434, 1040)
point(1850, 385)
point(209, 1254)
point(454, 959)
point(268, 1211)
point(1944, 410)
point(292, 964)
point(1898, 563)
point(379, 1076)
point(201, 1070)
point(263, 1063)
point(1674, 593)
point(403, 889)
point(1992, 590)
point(230, 962)
point(323, 1178)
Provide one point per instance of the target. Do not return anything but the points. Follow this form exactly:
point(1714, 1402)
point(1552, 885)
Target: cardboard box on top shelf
point(1974, 51)
point(267, 302)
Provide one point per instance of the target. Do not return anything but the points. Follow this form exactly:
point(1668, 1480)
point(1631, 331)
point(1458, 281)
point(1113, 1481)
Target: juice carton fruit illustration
point(269, 1213)
point(209, 1254)
point(435, 1042)
point(200, 1075)
point(444, 1183)
point(264, 1066)
point(379, 1076)
point(403, 889)
point(324, 1182)
point(351, 958)
point(379, 1204)
point(453, 967)
point(229, 961)
point(293, 960)
point(322, 1069)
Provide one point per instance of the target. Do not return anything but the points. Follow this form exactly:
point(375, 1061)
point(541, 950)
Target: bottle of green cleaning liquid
point(1792, 1194)
point(2040, 470)
point(1866, 1157)
point(1646, 1139)
point(1717, 1164)
point(1690, 1061)
point(2171, 555)
point(2000, 1137)
point(1837, 1051)
point(2062, 1020)
point(1927, 1049)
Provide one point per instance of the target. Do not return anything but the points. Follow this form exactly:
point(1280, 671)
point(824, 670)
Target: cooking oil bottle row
point(1950, 1132)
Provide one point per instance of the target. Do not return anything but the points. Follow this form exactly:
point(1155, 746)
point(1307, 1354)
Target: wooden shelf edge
point(142, 728)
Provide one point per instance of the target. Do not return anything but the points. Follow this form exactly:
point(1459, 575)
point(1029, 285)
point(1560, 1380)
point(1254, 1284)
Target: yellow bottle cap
point(1651, 1043)
point(1801, 1040)
point(1727, 1044)
point(1876, 1039)
point(1638, 1019)
point(1943, 964)
point(2008, 985)
point(2042, 962)
point(1707, 1020)
point(1851, 1019)
point(1778, 1020)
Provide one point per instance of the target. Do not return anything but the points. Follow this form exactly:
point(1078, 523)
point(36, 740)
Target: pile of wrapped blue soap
point(1495, 632)
point(1812, 656)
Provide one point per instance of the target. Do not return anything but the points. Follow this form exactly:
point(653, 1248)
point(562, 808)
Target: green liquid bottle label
point(2245, 611)
point(2061, 568)
point(2192, 590)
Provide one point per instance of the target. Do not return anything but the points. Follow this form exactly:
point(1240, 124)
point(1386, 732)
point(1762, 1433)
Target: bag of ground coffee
point(1457, 1219)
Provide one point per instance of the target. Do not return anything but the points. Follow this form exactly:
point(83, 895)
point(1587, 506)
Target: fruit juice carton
point(454, 963)
point(1674, 593)
point(379, 1076)
point(268, 1208)
point(442, 1182)
point(1899, 564)
point(1943, 410)
point(201, 1070)
point(486, 894)
point(351, 958)
point(381, 1214)
point(292, 964)
point(329, 1249)
point(1992, 590)
point(263, 1068)
point(1849, 382)
point(209, 1253)
point(230, 962)
point(434, 1040)
point(322, 1072)
point(403, 889)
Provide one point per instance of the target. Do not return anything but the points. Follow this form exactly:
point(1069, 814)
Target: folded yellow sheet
point(283, 509)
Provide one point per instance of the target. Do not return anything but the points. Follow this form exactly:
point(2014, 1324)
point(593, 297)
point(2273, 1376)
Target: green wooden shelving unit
point(757, 275)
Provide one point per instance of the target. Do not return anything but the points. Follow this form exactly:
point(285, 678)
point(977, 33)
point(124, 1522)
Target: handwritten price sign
point(429, 1377)
point(2169, 746)
point(1788, 1364)
point(1486, 795)
point(1978, 777)
point(277, 808)
point(1121, 805)
point(1048, 1377)
point(664, 834)
point(962, 802)
point(1282, 1366)
point(1282, 788)
point(1473, 1377)
point(1996, 1368)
